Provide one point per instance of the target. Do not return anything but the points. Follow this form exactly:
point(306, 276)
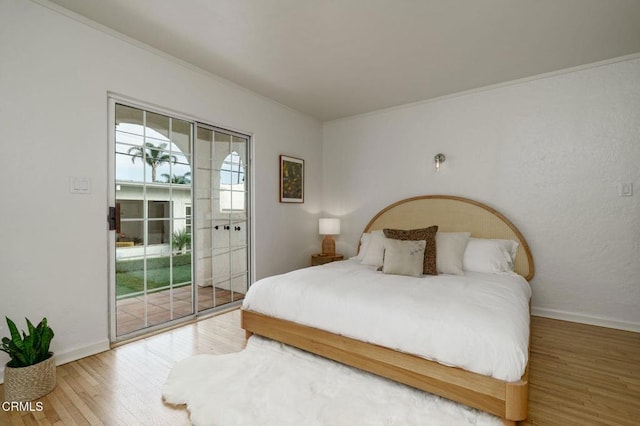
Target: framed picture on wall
point(291, 180)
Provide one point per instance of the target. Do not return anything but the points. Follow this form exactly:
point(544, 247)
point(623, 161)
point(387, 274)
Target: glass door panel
point(222, 198)
point(153, 279)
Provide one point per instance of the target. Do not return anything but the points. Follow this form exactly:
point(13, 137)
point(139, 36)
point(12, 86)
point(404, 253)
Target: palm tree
point(153, 155)
point(184, 179)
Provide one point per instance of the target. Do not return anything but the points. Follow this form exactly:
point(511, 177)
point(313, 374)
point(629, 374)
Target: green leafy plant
point(28, 349)
point(181, 239)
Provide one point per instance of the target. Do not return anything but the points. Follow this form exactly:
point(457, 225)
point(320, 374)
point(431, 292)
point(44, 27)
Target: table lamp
point(329, 227)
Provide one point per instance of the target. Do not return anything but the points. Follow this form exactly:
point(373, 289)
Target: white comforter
point(479, 322)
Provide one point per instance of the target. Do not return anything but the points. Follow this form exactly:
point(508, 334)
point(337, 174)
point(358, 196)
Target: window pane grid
point(153, 186)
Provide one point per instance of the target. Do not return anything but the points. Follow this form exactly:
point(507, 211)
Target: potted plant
point(181, 240)
point(31, 372)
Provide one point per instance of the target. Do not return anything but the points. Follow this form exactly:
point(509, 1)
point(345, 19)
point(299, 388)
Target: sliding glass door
point(173, 221)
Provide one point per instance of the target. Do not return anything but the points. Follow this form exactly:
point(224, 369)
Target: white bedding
point(478, 321)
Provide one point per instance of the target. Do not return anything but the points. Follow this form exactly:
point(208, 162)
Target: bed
point(502, 393)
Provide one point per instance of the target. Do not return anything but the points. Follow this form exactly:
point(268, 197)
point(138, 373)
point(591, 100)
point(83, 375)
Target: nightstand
point(318, 259)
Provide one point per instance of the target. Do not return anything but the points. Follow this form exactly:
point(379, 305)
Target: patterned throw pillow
point(423, 234)
point(403, 257)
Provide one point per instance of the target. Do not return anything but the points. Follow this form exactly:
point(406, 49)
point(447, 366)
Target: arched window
point(232, 183)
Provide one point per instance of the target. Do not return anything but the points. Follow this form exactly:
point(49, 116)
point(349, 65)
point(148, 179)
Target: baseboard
point(74, 354)
point(586, 319)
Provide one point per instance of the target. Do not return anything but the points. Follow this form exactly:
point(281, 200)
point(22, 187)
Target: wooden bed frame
point(507, 400)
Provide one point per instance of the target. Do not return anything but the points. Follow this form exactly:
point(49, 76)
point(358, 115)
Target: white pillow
point(449, 251)
point(364, 243)
point(374, 254)
point(403, 257)
point(489, 255)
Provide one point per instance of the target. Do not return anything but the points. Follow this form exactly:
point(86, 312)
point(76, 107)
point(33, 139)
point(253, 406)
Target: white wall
point(548, 153)
point(55, 73)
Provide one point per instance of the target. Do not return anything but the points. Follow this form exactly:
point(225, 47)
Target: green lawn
point(130, 274)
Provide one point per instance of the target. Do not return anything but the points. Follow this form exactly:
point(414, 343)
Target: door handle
point(113, 218)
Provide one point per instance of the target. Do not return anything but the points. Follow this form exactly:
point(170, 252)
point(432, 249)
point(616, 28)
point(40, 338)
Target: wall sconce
point(329, 227)
point(439, 159)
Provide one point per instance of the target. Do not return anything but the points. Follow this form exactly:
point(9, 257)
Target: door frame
point(112, 99)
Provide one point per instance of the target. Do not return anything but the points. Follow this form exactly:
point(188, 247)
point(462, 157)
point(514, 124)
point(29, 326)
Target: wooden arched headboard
point(455, 214)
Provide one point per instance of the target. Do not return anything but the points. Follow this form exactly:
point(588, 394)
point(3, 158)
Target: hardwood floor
point(583, 375)
point(122, 386)
point(579, 375)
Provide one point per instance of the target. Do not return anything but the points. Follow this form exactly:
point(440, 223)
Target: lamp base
point(328, 246)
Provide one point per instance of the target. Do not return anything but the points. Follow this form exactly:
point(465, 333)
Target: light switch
point(625, 189)
point(80, 185)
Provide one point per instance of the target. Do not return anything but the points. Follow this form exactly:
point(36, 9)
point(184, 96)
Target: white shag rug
point(269, 383)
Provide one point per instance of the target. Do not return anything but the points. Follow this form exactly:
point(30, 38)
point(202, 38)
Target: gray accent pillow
point(403, 257)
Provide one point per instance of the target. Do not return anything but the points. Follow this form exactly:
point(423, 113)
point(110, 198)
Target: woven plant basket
point(29, 383)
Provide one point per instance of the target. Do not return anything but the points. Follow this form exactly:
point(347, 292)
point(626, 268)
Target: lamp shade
point(329, 226)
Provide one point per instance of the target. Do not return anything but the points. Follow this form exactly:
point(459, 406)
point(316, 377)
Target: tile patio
point(130, 311)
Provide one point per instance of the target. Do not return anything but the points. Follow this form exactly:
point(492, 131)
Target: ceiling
point(335, 58)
